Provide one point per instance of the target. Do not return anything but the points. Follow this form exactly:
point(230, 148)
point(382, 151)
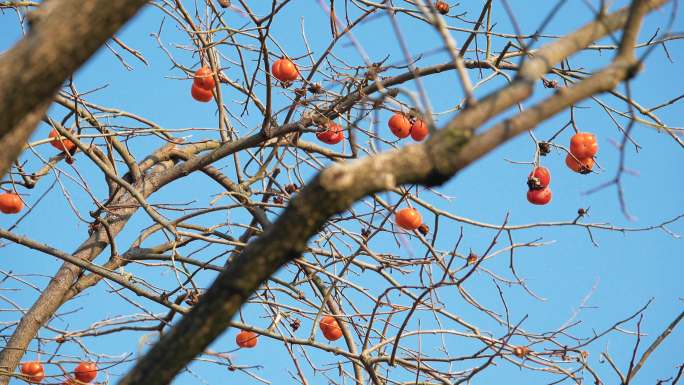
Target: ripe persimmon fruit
point(333, 134)
point(285, 70)
point(583, 145)
point(539, 196)
point(580, 165)
point(409, 218)
point(400, 125)
point(86, 371)
point(419, 130)
point(442, 7)
point(61, 143)
point(10, 203)
point(204, 78)
point(539, 178)
point(246, 339)
point(200, 94)
point(330, 328)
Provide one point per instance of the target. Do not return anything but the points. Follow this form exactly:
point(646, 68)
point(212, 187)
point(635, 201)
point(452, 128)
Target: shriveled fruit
point(442, 7)
point(521, 351)
point(85, 371)
point(419, 130)
point(200, 94)
point(539, 178)
point(399, 125)
point(61, 143)
point(291, 187)
point(204, 78)
point(10, 203)
point(583, 145)
point(582, 165)
point(246, 339)
point(409, 218)
point(285, 70)
point(333, 134)
point(423, 229)
point(472, 258)
point(330, 328)
point(539, 197)
point(34, 371)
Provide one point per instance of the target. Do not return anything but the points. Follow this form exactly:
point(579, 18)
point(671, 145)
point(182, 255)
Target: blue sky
point(622, 274)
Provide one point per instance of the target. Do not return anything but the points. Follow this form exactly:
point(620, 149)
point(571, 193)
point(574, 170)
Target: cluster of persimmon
point(538, 181)
point(246, 339)
point(84, 373)
point(583, 148)
point(202, 85)
point(328, 324)
point(330, 328)
point(403, 126)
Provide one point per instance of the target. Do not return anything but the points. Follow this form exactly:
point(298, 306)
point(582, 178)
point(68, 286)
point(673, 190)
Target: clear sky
point(608, 282)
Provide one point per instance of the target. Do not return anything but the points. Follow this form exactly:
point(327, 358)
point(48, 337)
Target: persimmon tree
point(325, 229)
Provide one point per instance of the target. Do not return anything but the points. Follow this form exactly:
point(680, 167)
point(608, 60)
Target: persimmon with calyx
point(200, 94)
point(583, 145)
point(34, 371)
point(581, 165)
point(10, 203)
point(204, 78)
point(442, 7)
point(409, 218)
point(333, 134)
point(539, 197)
point(330, 328)
point(61, 143)
point(86, 371)
point(419, 130)
point(539, 178)
point(400, 125)
point(246, 339)
point(285, 70)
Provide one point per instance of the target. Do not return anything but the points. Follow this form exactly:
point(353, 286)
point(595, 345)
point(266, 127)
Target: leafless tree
point(307, 210)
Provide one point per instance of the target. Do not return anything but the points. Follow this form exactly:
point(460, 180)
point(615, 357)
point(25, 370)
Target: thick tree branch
point(65, 34)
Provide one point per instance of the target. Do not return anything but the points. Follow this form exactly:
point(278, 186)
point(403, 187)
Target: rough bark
point(64, 34)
